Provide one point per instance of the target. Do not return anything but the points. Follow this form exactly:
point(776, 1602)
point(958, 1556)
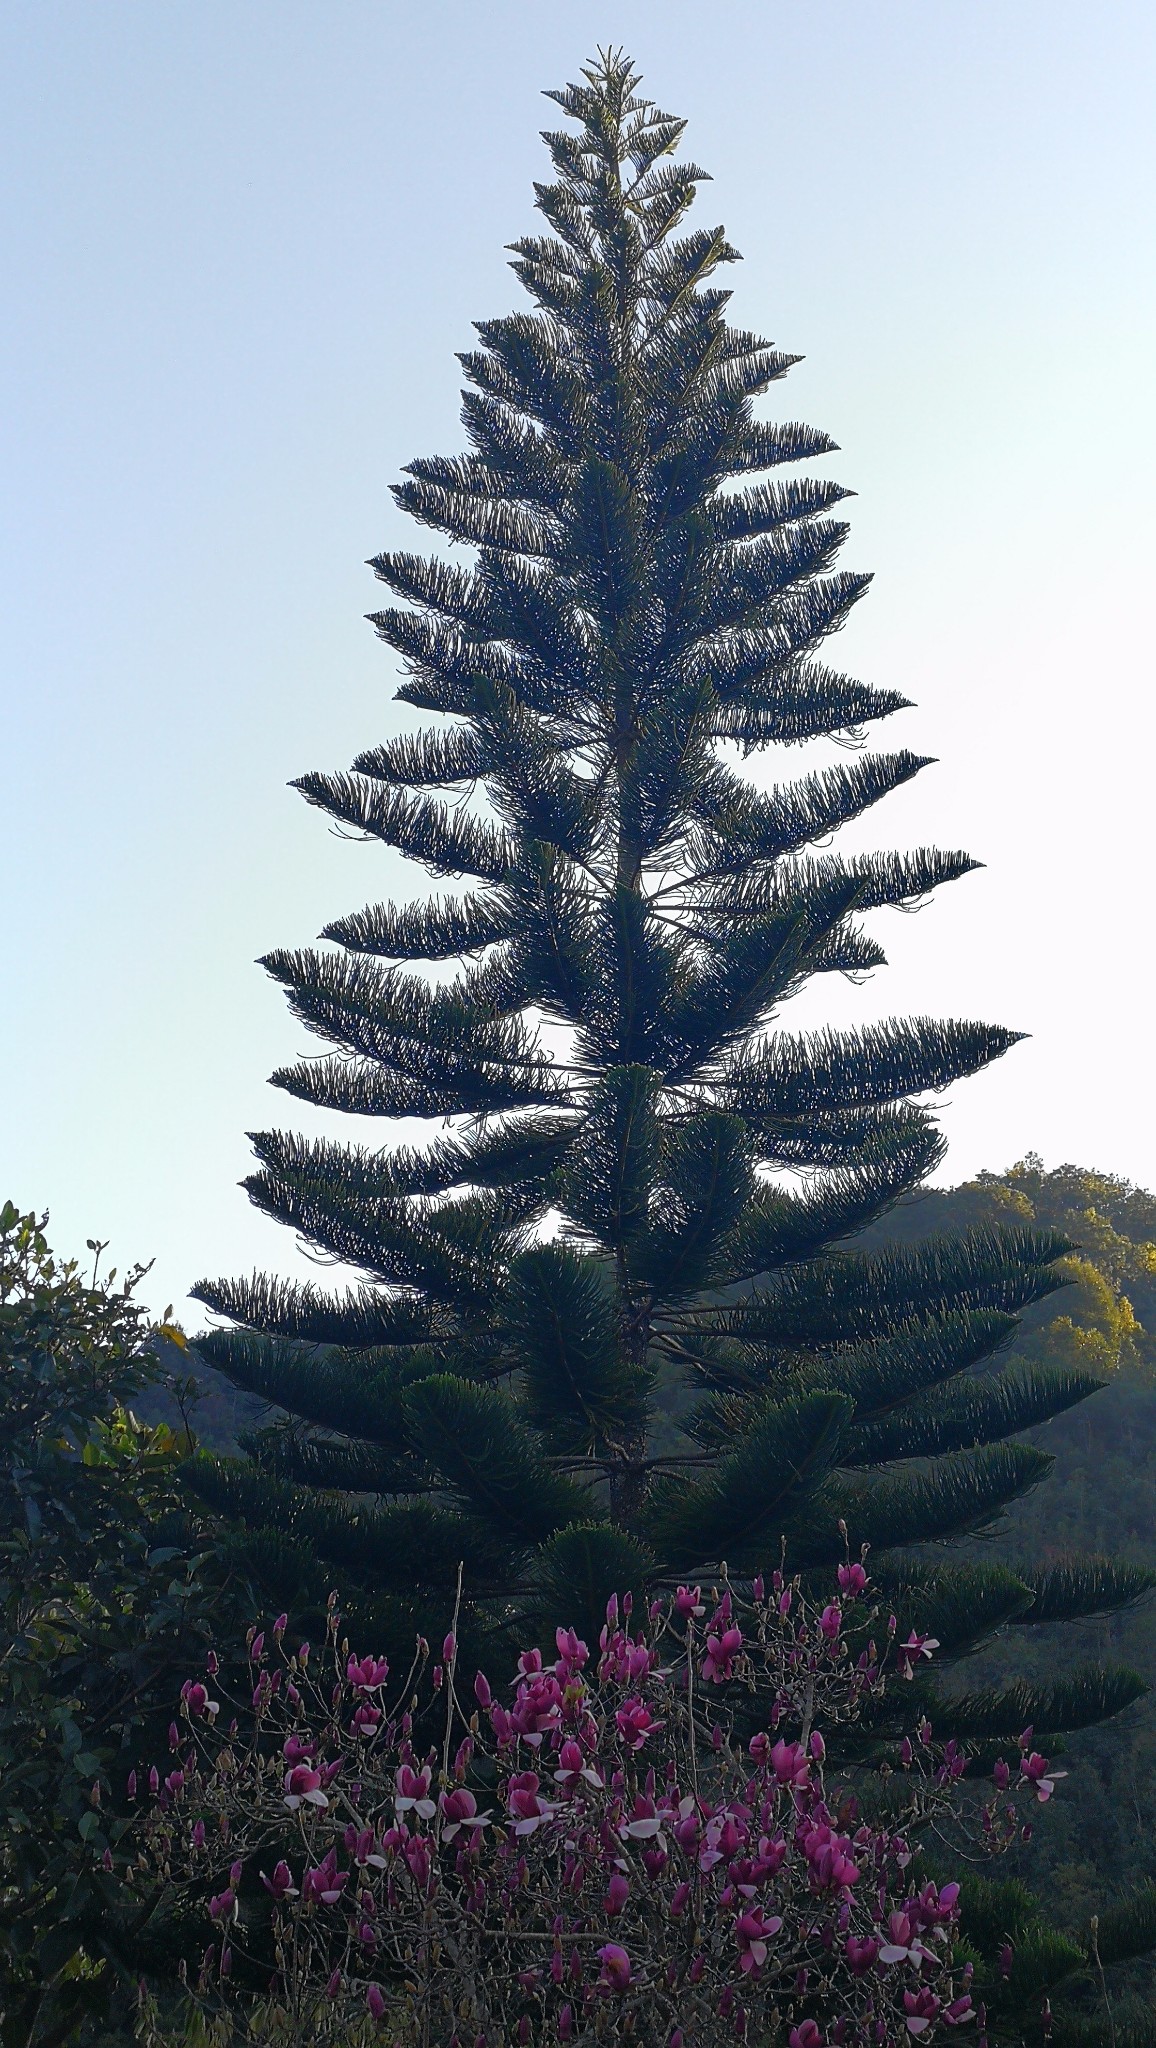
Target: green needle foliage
point(694, 1362)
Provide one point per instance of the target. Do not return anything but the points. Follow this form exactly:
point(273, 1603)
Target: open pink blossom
point(324, 1884)
point(688, 1602)
point(721, 1650)
point(920, 2008)
point(614, 1974)
point(1035, 1770)
point(303, 1788)
point(635, 1722)
point(525, 1803)
point(915, 1648)
point(412, 1791)
point(460, 1810)
point(575, 1767)
point(753, 1930)
point(790, 1764)
point(367, 1674)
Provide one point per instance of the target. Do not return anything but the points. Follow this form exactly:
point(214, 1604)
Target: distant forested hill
point(1100, 1497)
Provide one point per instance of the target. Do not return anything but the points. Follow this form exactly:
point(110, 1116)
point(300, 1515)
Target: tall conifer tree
point(612, 1326)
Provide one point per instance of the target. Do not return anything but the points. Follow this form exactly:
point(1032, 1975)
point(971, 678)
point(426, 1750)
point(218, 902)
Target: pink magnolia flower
point(419, 1860)
point(412, 1791)
point(574, 1766)
point(721, 1651)
point(298, 1750)
point(831, 1621)
point(362, 1846)
point(324, 1884)
point(367, 1674)
point(197, 1701)
point(862, 1954)
point(753, 1930)
point(572, 1653)
point(224, 1906)
point(280, 1885)
point(635, 1723)
point(789, 1762)
point(645, 1822)
point(915, 1648)
point(460, 1810)
point(525, 1803)
point(303, 1788)
point(921, 2008)
point(615, 1972)
point(831, 1865)
point(375, 2002)
point(902, 1944)
point(1036, 1770)
point(688, 1601)
point(537, 1706)
point(805, 2035)
point(617, 1893)
point(936, 1907)
point(852, 1580)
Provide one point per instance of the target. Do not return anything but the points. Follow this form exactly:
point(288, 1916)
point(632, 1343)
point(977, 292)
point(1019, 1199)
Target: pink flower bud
point(375, 2002)
point(448, 1648)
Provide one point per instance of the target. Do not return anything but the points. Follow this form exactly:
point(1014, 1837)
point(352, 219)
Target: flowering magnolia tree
point(594, 1856)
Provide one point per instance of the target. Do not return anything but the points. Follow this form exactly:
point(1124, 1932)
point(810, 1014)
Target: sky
point(239, 247)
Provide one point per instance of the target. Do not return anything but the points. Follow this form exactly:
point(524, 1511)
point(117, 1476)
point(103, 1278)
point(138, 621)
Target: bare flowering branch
point(592, 1853)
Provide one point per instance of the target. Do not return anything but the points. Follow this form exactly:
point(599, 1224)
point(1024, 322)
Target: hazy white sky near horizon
point(240, 245)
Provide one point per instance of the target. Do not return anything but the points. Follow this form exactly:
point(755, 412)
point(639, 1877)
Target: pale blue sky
point(240, 245)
